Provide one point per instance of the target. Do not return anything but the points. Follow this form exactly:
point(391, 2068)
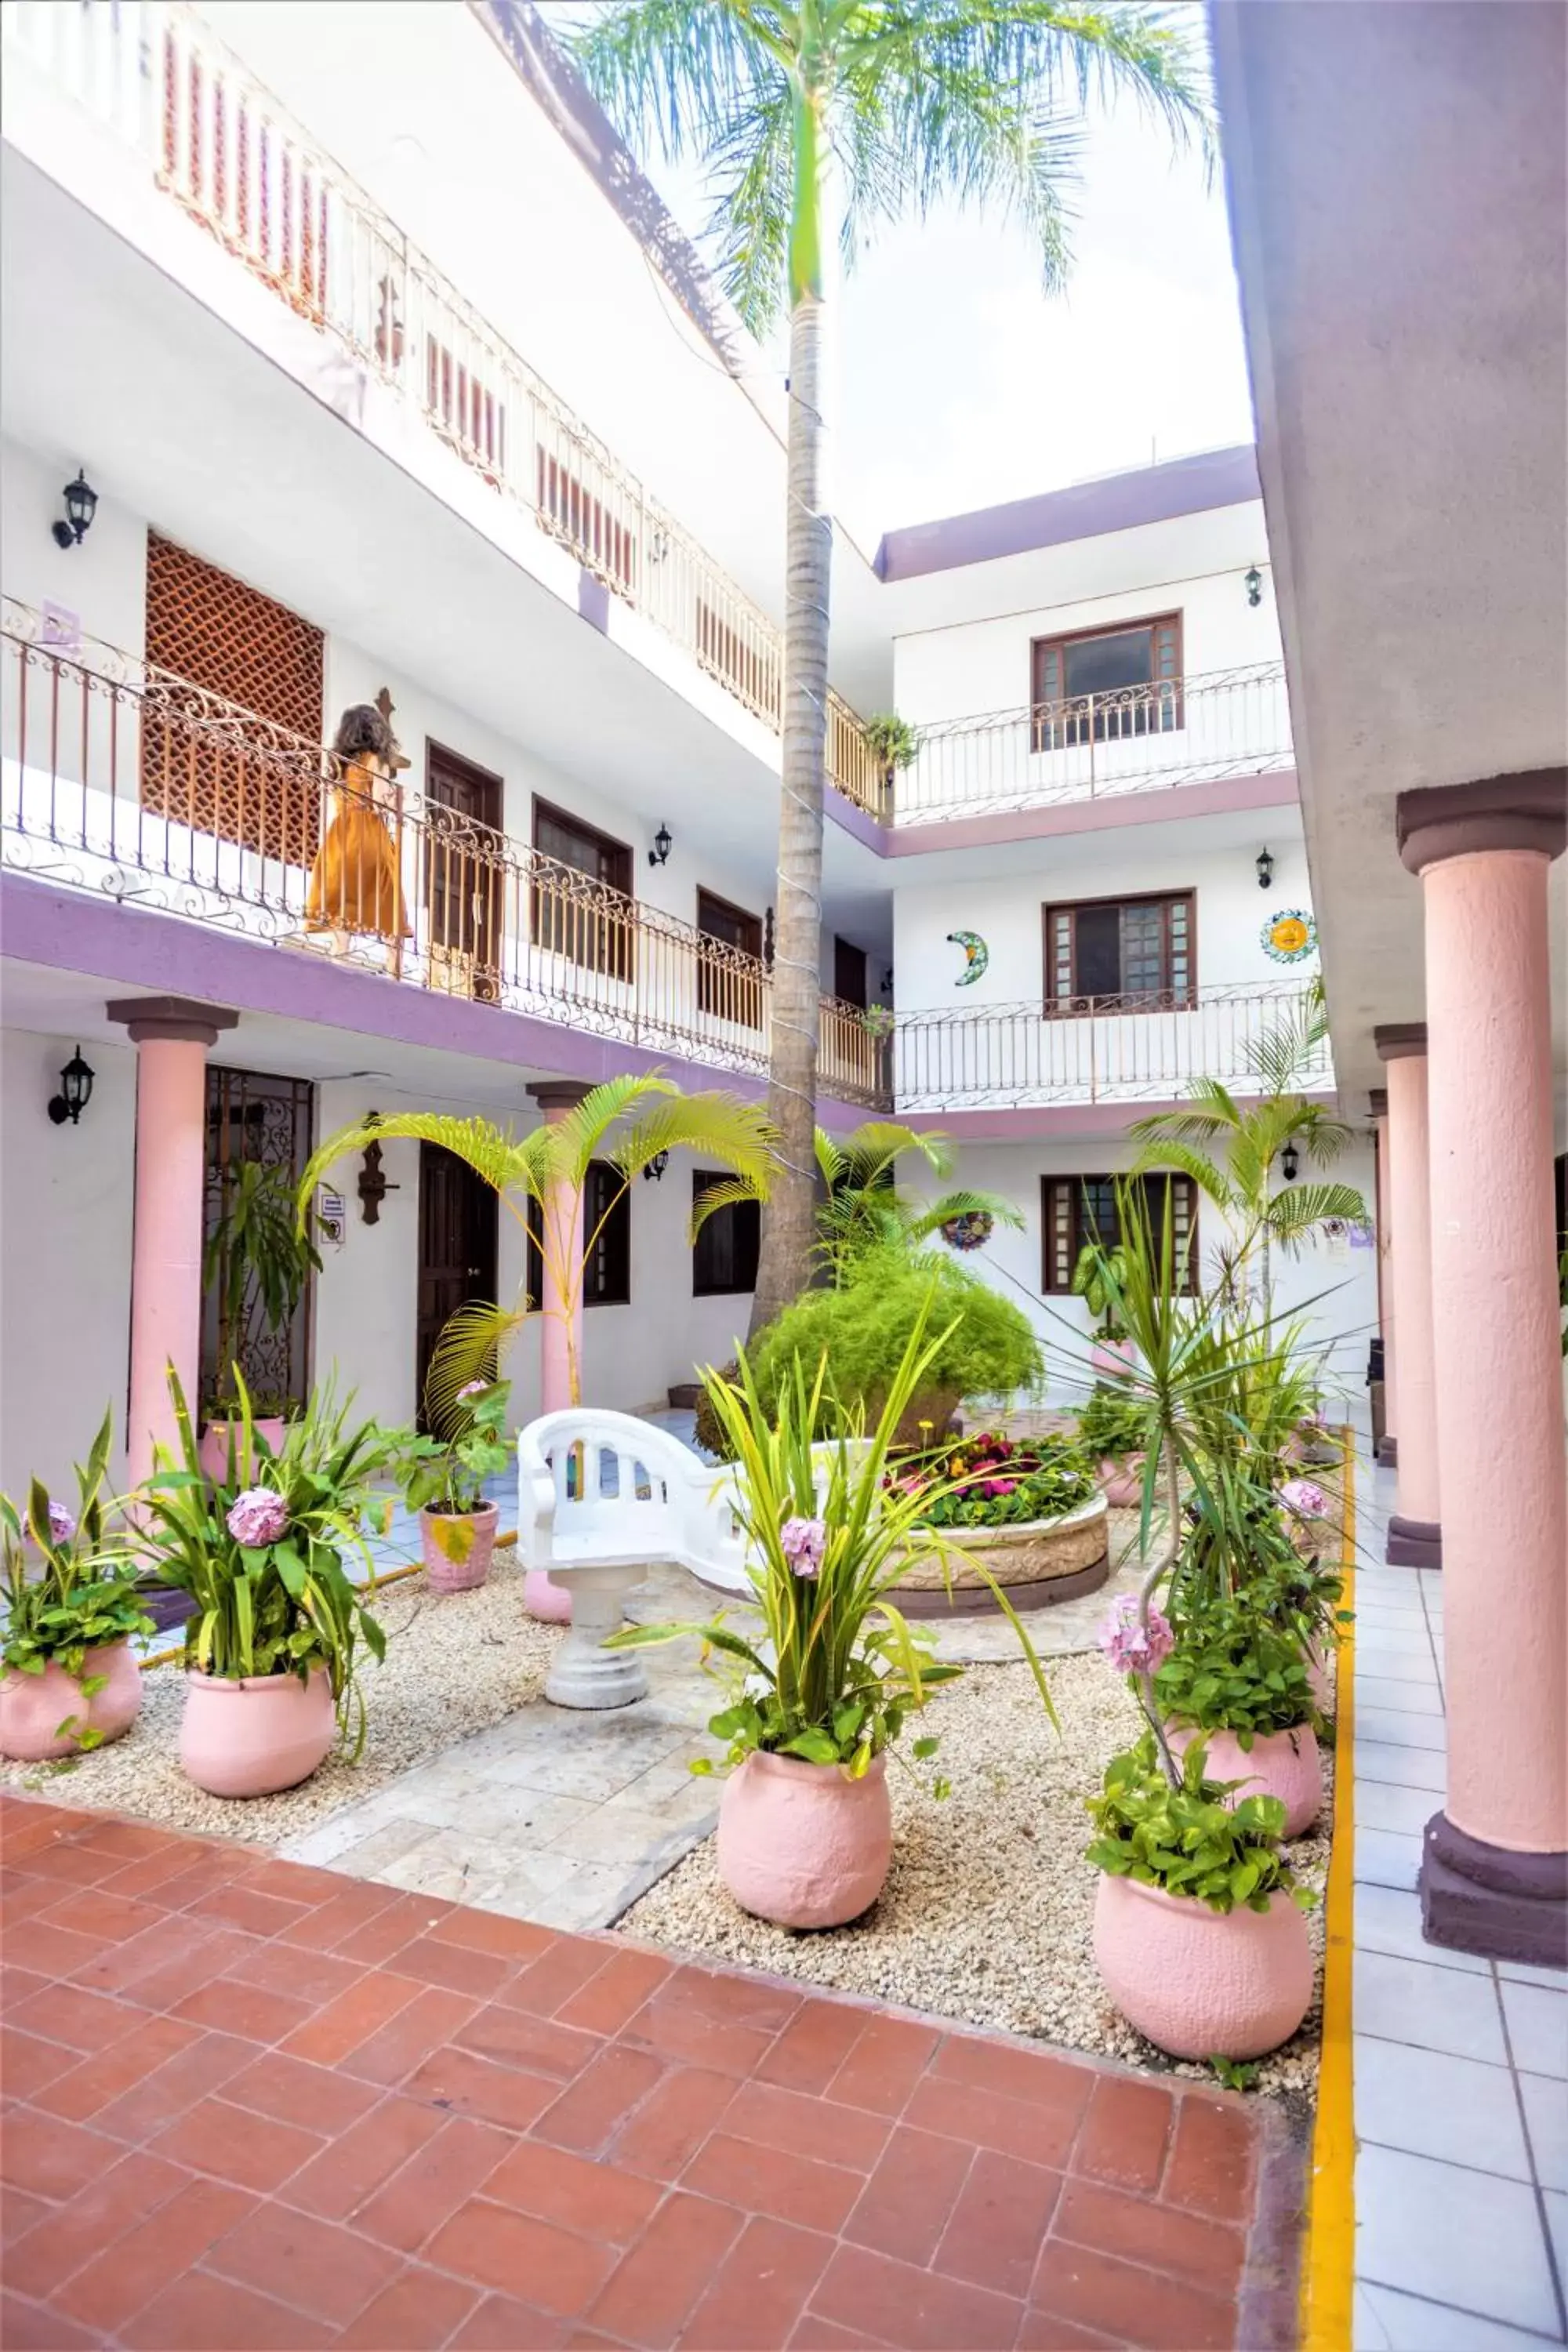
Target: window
point(606, 1237)
point(605, 545)
point(731, 992)
point(1077, 1210)
point(583, 925)
point(724, 1255)
point(1139, 951)
point(1100, 685)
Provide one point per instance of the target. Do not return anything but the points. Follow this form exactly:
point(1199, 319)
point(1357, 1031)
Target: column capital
point(1524, 812)
point(558, 1094)
point(1377, 1103)
point(181, 1018)
point(1399, 1041)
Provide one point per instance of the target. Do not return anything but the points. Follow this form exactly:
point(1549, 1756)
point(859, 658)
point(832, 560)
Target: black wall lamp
point(663, 843)
point(1291, 1162)
point(82, 501)
point(76, 1086)
point(655, 1167)
point(1265, 868)
point(1253, 582)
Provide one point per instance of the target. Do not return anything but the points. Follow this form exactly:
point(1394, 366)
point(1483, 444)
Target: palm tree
point(1228, 1147)
point(911, 100)
point(627, 1121)
point(866, 1209)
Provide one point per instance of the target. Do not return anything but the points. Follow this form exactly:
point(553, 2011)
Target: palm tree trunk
point(788, 1230)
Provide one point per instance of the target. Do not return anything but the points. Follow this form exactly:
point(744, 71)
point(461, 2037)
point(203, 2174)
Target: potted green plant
point(1198, 1932)
point(821, 1699)
point(272, 1643)
point(1028, 1512)
point(443, 1478)
point(1112, 1428)
point(1237, 1677)
point(894, 743)
point(257, 1259)
point(71, 1680)
point(1095, 1280)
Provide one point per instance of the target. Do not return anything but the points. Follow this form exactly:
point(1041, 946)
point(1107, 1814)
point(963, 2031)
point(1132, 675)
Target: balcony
point(219, 146)
point(1095, 746)
point(1107, 1050)
point(121, 779)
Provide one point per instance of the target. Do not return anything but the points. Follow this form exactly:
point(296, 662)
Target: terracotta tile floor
point(249, 2103)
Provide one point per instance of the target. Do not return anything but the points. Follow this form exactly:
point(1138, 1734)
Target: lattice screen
point(200, 768)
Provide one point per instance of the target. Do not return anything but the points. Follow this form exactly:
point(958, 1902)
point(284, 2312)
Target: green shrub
point(1236, 1668)
point(1112, 1424)
point(865, 1328)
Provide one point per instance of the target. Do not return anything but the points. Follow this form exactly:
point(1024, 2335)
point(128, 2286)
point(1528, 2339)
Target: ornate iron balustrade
point(118, 777)
point(223, 148)
point(1106, 1049)
point(1233, 723)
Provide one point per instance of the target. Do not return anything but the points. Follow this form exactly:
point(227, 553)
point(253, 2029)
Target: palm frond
point(1300, 1208)
point(714, 1125)
point(504, 1161)
point(963, 1203)
point(473, 1342)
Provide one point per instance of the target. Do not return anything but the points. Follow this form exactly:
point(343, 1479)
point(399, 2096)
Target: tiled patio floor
point(251, 2104)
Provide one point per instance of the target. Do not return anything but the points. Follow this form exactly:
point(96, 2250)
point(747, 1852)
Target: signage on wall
point(61, 628)
point(332, 1218)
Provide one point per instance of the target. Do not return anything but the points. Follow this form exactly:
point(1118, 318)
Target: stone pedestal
point(586, 1675)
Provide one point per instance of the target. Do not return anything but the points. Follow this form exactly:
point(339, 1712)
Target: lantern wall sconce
point(663, 843)
point(1266, 869)
point(1252, 581)
point(655, 1167)
point(82, 501)
point(1291, 1162)
point(76, 1087)
point(372, 1186)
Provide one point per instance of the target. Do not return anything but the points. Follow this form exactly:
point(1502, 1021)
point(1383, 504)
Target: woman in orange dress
point(354, 883)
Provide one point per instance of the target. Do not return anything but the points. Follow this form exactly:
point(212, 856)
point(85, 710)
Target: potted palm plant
point(821, 1700)
point(272, 1643)
point(258, 1260)
point(71, 1680)
point(443, 1478)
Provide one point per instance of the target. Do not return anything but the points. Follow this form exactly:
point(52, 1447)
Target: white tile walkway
point(1461, 2066)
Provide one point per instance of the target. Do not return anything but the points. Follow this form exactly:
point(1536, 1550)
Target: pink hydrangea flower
point(1132, 1648)
point(62, 1526)
point(472, 1388)
point(1304, 1499)
point(802, 1543)
point(257, 1517)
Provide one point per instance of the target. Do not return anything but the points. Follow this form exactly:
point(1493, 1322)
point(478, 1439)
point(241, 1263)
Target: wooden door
point(457, 1226)
point(849, 973)
point(464, 872)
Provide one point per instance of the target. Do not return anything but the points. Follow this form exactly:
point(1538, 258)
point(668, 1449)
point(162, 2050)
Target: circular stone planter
point(458, 1546)
point(801, 1844)
point(1283, 1764)
point(1202, 1983)
point(257, 1735)
point(33, 1706)
point(1037, 1563)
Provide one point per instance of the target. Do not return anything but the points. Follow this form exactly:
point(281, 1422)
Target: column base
point(1485, 1899)
point(1414, 1543)
point(1387, 1455)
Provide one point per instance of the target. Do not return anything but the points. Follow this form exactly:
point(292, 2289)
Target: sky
point(961, 383)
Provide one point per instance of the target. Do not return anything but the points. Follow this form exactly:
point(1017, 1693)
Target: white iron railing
point(220, 146)
point(1091, 746)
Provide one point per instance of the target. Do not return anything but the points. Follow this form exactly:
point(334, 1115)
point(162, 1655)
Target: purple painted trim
point(852, 819)
point(1217, 477)
point(68, 930)
point(1482, 1898)
point(1399, 1041)
point(1412, 1543)
point(1159, 805)
point(592, 601)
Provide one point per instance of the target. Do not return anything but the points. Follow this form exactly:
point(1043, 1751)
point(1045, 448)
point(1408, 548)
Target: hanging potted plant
point(893, 743)
point(71, 1680)
point(443, 1479)
point(258, 1260)
point(1095, 1280)
point(1111, 1429)
point(271, 1645)
point(818, 1705)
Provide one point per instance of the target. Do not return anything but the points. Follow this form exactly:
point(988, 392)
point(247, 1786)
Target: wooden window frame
point(613, 949)
point(702, 1177)
point(1080, 1234)
point(616, 1237)
point(1166, 999)
point(1065, 727)
point(461, 956)
point(728, 996)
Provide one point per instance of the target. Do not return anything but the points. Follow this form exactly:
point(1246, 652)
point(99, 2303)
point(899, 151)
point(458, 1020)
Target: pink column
point(1495, 1870)
point(172, 1035)
point(560, 1317)
point(1388, 1452)
point(1415, 1534)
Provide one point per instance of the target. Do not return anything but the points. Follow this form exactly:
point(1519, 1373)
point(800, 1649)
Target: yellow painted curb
point(1328, 2271)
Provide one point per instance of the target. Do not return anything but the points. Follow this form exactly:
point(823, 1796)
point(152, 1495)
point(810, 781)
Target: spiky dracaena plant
point(869, 108)
point(540, 1179)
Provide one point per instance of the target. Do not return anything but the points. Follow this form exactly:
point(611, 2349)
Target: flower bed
point(1026, 1514)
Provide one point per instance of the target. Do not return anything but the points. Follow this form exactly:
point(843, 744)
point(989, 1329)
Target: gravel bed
point(454, 1663)
point(987, 1915)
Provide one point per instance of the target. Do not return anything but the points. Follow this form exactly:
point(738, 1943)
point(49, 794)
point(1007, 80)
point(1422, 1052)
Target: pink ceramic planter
point(544, 1599)
point(458, 1546)
point(33, 1706)
point(256, 1736)
point(1202, 1983)
point(1121, 1483)
point(1283, 1764)
point(801, 1844)
point(1320, 1673)
point(1112, 1360)
point(212, 1449)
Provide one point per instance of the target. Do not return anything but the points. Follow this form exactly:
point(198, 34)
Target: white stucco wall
point(65, 1259)
point(103, 580)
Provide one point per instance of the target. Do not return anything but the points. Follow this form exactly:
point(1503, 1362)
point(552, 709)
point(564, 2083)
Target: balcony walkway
point(259, 2105)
